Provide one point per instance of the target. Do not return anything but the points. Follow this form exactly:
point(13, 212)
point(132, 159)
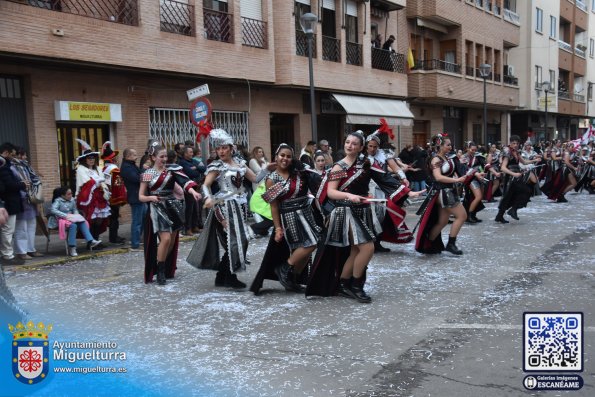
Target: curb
point(66, 259)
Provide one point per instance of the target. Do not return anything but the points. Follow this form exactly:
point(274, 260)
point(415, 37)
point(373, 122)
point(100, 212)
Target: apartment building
point(450, 40)
point(557, 69)
point(100, 70)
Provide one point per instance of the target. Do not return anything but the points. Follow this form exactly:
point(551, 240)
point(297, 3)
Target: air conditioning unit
point(508, 70)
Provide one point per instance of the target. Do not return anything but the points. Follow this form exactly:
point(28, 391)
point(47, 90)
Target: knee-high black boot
point(452, 246)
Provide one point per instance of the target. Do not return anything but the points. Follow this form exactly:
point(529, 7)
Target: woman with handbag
point(65, 216)
point(26, 221)
point(165, 217)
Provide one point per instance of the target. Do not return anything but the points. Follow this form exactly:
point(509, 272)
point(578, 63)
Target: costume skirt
point(350, 224)
point(163, 217)
point(299, 224)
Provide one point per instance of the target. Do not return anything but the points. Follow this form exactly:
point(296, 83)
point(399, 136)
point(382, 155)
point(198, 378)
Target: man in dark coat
point(130, 174)
point(191, 169)
point(11, 195)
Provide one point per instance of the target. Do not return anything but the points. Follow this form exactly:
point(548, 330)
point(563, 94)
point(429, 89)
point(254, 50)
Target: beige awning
point(368, 110)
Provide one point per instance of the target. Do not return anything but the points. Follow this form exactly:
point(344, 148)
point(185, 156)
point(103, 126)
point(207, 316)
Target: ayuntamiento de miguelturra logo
point(30, 351)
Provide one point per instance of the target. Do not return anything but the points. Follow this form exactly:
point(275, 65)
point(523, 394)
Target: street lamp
point(308, 22)
point(484, 72)
point(546, 86)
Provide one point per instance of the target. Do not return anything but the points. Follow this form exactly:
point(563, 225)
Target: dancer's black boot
point(161, 273)
point(344, 287)
point(452, 247)
point(357, 290)
point(500, 217)
point(512, 213)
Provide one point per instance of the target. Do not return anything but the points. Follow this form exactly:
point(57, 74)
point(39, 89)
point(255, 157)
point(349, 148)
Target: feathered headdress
point(86, 152)
point(219, 137)
point(106, 151)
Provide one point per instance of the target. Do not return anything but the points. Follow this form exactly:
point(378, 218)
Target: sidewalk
point(56, 252)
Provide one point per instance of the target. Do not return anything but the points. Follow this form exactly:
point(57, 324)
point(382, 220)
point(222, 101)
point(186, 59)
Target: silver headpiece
point(374, 136)
point(219, 137)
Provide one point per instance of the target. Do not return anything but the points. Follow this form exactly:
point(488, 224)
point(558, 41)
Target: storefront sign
point(87, 111)
point(200, 110)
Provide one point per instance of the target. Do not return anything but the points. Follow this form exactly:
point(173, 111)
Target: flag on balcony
point(410, 60)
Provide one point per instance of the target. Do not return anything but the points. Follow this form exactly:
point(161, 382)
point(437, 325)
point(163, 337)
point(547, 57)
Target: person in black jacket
point(192, 171)
point(12, 199)
point(130, 173)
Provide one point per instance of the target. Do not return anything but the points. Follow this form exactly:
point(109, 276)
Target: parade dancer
point(493, 173)
point(442, 202)
point(226, 222)
point(296, 230)
point(340, 265)
point(586, 174)
point(531, 156)
point(470, 164)
point(92, 193)
point(517, 191)
point(165, 217)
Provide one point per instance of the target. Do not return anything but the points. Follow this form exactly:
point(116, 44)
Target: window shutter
point(329, 4)
point(351, 8)
point(251, 9)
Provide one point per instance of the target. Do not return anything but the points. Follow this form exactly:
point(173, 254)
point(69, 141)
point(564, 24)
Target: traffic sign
point(200, 110)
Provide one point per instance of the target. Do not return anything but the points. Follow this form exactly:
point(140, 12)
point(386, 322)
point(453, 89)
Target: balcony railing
point(511, 80)
point(581, 53)
point(564, 45)
point(488, 6)
point(177, 17)
point(301, 44)
point(118, 11)
point(388, 60)
point(579, 98)
point(497, 77)
point(254, 33)
point(469, 71)
point(437, 64)
point(353, 52)
point(479, 3)
point(581, 5)
point(563, 94)
point(331, 49)
point(496, 9)
point(218, 25)
point(512, 17)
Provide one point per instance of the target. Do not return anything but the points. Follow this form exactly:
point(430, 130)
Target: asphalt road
point(438, 325)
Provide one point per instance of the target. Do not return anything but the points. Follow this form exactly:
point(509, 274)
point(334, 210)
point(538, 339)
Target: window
point(552, 79)
point(553, 26)
point(538, 76)
point(539, 20)
point(592, 47)
point(590, 90)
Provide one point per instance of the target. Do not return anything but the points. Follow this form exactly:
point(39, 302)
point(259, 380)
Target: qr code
point(553, 342)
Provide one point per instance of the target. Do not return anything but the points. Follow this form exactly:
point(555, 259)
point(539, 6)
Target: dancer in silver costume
point(226, 222)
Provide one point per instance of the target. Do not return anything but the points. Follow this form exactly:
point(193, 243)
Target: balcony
point(580, 52)
point(124, 12)
point(254, 33)
point(301, 44)
point(563, 94)
point(512, 17)
point(579, 98)
point(331, 49)
point(581, 5)
point(564, 45)
point(353, 52)
point(218, 25)
point(177, 17)
point(496, 9)
point(437, 64)
point(388, 60)
point(497, 77)
point(511, 80)
point(469, 71)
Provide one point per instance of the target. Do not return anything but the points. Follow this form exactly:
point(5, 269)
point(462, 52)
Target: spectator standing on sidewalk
point(117, 189)
point(11, 195)
point(130, 174)
point(327, 151)
point(26, 222)
point(192, 172)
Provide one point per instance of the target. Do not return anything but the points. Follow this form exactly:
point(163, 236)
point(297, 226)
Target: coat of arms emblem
point(30, 352)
